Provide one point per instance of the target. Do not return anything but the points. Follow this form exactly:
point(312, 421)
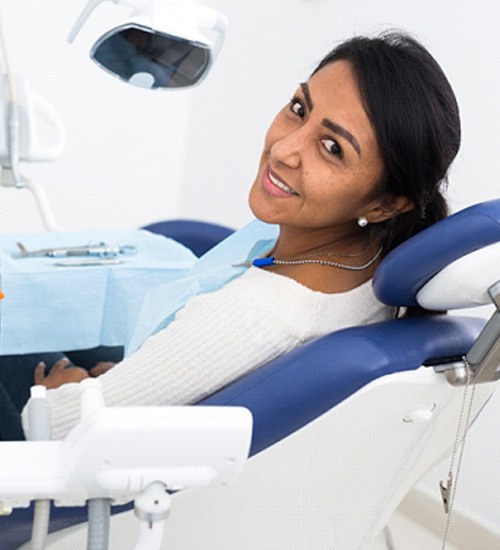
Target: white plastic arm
point(180, 447)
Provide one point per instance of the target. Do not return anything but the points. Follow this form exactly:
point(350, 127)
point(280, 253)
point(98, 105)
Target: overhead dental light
point(162, 44)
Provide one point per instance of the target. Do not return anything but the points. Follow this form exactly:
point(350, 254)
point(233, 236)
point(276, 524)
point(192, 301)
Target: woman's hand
point(59, 374)
point(100, 368)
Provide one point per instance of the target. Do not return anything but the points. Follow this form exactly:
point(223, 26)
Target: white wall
point(135, 156)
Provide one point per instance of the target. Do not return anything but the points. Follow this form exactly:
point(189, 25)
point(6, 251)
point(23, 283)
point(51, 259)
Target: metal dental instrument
point(101, 250)
point(89, 262)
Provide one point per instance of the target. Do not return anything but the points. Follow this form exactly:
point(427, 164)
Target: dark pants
point(17, 377)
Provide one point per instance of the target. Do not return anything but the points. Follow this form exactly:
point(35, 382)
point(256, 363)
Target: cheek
point(373, 169)
point(320, 183)
point(337, 193)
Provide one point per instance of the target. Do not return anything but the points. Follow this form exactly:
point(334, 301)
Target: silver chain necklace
point(270, 261)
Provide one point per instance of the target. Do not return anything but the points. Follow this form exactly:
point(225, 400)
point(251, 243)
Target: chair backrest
point(405, 272)
point(197, 235)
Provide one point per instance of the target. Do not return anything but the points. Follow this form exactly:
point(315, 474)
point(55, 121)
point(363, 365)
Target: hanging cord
point(449, 491)
point(43, 205)
point(13, 140)
point(13, 113)
point(389, 541)
point(41, 201)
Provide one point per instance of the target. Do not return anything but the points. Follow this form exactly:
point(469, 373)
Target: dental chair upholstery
point(343, 426)
point(198, 236)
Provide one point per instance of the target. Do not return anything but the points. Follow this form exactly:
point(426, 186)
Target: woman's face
point(321, 164)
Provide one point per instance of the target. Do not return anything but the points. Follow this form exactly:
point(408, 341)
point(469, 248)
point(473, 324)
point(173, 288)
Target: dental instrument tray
point(114, 301)
point(100, 249)
point(62, 295)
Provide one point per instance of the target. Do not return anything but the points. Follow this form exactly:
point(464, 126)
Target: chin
point(257, 205)
point(265, 207)
point(252, 201)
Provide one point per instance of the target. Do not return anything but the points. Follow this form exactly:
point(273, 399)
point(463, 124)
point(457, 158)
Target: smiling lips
point(276, 187)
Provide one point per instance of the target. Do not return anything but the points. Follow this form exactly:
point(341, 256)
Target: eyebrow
point(307, 96)
point(333, 126)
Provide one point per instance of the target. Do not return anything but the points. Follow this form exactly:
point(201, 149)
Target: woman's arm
point(216, 338)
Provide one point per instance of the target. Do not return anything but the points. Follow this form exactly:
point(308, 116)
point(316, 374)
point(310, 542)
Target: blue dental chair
point(198, 236)
point(346, 425)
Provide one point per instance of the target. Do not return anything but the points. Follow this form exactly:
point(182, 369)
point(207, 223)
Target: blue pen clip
point(263, 262)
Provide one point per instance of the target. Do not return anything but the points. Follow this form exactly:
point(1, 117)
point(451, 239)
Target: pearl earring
point(362, 221)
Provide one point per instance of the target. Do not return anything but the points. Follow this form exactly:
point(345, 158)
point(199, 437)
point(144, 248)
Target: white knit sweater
point(218, 337)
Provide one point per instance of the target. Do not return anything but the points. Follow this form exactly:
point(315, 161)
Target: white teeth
point(282, 185)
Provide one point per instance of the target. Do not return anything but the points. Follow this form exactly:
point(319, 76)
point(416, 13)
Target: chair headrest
point(438, 268)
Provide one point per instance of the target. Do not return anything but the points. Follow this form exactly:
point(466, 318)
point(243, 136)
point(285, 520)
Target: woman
point(351, 167)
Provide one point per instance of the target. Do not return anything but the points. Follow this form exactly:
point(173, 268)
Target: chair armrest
point(294, 389)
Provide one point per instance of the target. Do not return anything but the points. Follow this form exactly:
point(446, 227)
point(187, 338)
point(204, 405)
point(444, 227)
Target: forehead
point(336, 79)
point(335, 93)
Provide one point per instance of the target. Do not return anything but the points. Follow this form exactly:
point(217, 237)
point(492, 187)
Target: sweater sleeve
point(215, 339)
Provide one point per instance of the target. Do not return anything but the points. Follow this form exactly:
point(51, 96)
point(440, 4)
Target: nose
point(288, 149)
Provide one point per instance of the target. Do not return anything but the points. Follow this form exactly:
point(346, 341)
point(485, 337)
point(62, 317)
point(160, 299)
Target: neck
point(295, 242)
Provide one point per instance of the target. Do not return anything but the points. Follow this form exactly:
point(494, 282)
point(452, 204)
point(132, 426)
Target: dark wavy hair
point(416, 120)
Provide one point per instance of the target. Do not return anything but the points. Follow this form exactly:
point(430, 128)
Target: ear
point(388, 207)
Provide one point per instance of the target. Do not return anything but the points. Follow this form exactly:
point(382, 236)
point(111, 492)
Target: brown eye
point(297, 108)
point(332, 147)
